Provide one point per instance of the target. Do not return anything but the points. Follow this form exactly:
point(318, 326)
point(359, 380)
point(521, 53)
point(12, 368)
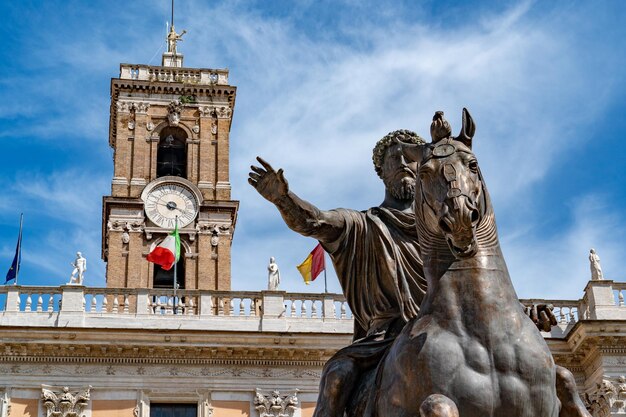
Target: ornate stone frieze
point(214, 229)
point(224, 112)
point(207, 111)
point(311, 372)
point(65, 403)
point(221, 112)
point(608, 398)
point(141, 107)
point(123, 106)
point(125, 226)
point(275, 405)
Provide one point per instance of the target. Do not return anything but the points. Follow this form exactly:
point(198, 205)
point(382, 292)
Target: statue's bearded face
point(398, 174)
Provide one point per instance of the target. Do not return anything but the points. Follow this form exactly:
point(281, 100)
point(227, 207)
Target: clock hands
point(170, 205)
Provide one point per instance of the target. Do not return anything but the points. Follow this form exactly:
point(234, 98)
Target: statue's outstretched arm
point(300, 215)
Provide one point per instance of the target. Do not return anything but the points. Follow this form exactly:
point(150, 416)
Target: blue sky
point(319, 82)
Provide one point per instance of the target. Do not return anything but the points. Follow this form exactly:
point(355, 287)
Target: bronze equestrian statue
point(472, 352)
point(376, 255)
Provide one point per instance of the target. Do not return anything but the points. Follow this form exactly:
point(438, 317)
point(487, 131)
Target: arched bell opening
point(172, 152)
point(165, 279)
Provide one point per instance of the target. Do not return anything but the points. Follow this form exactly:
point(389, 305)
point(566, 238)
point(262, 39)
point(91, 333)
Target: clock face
point(167, 201)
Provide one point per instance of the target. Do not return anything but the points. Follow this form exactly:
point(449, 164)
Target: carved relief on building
point(65, 403)
point(608, 398)
point(141, 107)
point(173, 112)
point(274, 404)
point(221, 112)
point(123, 106)
point(224, 112)
point(125, 226)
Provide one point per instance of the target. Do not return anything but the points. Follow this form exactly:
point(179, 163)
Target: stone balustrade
point(74, 305)
point(242, 310)
point(173, 74)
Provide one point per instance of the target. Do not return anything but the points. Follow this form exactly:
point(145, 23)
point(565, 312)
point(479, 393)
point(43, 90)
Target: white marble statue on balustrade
point(594, 264)
point(273, 275)
point(78, 273)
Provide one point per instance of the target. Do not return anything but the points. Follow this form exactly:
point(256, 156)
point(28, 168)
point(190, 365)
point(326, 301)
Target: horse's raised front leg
point(437, 405)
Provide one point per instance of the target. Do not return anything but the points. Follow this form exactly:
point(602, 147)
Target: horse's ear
point(467, 130)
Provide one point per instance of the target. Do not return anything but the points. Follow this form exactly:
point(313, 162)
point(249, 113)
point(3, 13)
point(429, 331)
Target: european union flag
point(17, 260)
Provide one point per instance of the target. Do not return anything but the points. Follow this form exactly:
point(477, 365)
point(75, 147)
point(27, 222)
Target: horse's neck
point(470, 288)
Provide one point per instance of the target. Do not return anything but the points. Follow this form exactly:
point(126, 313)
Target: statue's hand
point(542, 315)
point(409, 309)
point(270, 184)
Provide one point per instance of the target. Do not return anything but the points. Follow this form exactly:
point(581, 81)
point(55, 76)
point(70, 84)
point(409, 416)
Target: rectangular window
point(173, 410)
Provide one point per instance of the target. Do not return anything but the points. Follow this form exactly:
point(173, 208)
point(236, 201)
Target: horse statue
point(472, 351)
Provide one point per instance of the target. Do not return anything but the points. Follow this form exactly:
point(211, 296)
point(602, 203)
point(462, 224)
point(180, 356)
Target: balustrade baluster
point(572, 318)
point(29, 303)
point(313, 310)
point(242, 307)
point(252, 307)
point(220, 304)
point(39, 303)
point(620, 297)
point(293, 308)
point(104, 308)
point(51, 303)
point(94, 304)
point(126, 306)
point(116, 304)
point(190, 305)
point(170, 306)
point(180, 308)
point(343, 310)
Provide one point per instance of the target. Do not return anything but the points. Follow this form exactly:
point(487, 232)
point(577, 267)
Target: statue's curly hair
point(402, 135)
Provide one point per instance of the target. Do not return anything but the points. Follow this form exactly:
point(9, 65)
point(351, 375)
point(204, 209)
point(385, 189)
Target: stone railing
point(194, 309)
point(172, 74)
point(271, 310)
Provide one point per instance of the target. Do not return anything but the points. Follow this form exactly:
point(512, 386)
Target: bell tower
point(169, 129)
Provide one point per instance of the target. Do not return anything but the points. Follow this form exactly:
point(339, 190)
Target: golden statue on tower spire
point(171, 58)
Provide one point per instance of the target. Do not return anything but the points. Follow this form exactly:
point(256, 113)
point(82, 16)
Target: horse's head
point(449, 195)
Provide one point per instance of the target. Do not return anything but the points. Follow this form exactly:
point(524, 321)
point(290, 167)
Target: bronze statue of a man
point(376, 256)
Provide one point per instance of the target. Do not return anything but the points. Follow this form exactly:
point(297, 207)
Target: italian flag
point(312, 265)
point(167, 252)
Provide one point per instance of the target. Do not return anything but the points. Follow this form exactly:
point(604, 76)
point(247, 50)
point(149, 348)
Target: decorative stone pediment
point(274, 404)
point(65, 403)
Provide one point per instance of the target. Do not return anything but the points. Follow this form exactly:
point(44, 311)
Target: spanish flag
point(312, 265)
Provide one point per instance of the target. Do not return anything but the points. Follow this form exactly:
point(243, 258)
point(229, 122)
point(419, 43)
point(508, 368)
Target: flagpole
point(19, 250)
point(325, 280)
point(175, 265)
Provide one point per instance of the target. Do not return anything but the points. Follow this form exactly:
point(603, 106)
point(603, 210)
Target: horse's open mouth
point(465, 252)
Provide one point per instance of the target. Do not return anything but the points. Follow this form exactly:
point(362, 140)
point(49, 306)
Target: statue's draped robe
point(379, 267)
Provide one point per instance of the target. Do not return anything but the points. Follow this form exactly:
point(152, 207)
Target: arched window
point(165, 279)
point(172, 153)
